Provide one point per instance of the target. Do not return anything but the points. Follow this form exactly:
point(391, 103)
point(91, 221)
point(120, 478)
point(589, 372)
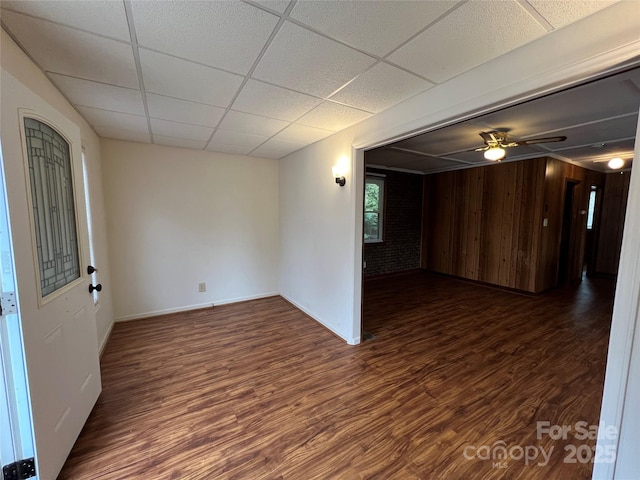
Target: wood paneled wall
point(488, 223)
point(614, 206)
point(484, 223)
point(557, 175)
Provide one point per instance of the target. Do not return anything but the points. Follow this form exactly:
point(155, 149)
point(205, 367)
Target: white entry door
point(50, 239)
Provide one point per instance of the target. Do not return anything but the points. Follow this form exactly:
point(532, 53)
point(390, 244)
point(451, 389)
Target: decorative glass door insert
point(54, 216)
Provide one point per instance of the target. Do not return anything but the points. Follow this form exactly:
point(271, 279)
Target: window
point(592, 207)
point(52, 201)
point(87, 200)
point(373, 208)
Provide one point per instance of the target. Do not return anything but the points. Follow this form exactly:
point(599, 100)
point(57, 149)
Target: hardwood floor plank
point(259, 391)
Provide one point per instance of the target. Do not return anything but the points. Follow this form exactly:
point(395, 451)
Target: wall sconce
point(339, 170)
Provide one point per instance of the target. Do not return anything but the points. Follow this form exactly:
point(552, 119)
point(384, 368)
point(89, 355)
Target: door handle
point(97, 288)
point(91, 269)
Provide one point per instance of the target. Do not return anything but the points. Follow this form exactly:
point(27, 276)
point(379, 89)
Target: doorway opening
point(567, 241)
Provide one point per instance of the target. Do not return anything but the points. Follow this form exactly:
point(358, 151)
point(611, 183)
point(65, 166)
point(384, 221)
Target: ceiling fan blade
point(533, 141)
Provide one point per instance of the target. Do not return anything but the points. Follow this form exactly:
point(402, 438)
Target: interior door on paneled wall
point(43, 170)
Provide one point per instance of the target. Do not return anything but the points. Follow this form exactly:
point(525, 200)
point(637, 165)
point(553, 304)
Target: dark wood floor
point(259, 391)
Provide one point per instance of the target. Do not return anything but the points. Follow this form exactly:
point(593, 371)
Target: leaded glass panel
point(54, 215)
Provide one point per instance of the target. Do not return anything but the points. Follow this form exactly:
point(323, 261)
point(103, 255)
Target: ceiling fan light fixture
point(616, 163)
point(495, 154)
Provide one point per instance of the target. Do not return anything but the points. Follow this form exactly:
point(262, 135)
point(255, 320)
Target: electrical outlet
point(202, 287)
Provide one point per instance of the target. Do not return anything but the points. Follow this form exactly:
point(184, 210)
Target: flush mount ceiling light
point(616, 163)
point(495, 154)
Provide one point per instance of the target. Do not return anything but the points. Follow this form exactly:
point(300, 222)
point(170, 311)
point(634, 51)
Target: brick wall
point(402, 226)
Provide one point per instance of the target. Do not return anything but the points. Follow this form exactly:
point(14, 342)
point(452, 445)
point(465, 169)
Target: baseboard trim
point(353, 341)
point(105, 340)
point(186, 308)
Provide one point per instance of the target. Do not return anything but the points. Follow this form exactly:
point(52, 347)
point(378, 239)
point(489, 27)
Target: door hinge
point(8, 303)
point(19, 470)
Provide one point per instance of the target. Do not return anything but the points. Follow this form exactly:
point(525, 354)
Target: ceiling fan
point(497, 140)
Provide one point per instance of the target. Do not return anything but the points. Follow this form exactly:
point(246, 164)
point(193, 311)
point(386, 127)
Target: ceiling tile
point(99, 95)
point(396, 159)
point(623, 149)
point(180, 130)
point(183, 111)
point(114, 120)
point(606, 98)
point(123, 134)
point(103, 17)
point(473, 34)
point(303, 134)
point(562, 12)
point(178, 142)
point(277, 148)
point(233, 149)
point(240, 139)
point(253, 124)
point(227, 35)
point(277, 5)
point(333, 116)
point(598, 132)
point(380, 88)
point(275, 102)
point(307, 62)
point(360, 23)
point(94, 58)
point(187, 80)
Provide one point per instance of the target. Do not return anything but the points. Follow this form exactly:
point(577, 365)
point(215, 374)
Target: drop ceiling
point(266, 78)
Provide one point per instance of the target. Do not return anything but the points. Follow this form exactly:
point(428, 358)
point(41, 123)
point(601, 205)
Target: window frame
point(380, 180)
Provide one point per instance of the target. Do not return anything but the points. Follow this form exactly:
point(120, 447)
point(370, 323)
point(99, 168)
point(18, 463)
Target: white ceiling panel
point(303, 134)
point(277, 148)
point(623, 149)
point(599, 132)
point(174, 77)
point(183, 111)
point(233, 149)
point(227, 35)
point(115, 121)
point(380, 88)
point(230, 137)
point(396, 159)
point(99, 95)
point(102, 17)
point(472, 34)
point(278, 5)
point(180, 130)
point(94, 58)
point(333, 116)
point(271, 101)
point(309, 63)
point(123, 134)
point(562, 12)
point(607, 98)
point(462, 136)
point(178, 142)
point(252, 124)
point(360, 23)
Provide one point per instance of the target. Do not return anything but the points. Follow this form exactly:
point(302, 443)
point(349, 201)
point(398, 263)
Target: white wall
point(319, 245)
point(16, 63)
point(317, 235)
point(180, 217)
